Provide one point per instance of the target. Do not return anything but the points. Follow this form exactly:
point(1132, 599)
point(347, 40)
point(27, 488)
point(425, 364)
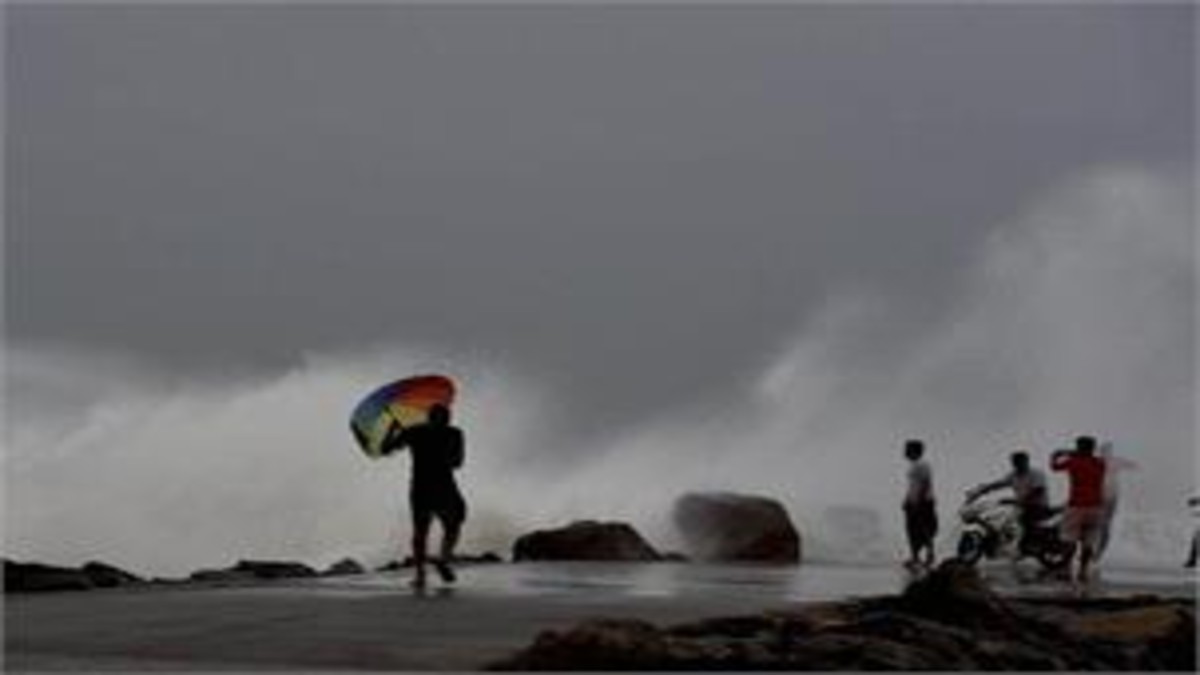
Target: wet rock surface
point(949, 620)
point(585, 540)
point(730, 527)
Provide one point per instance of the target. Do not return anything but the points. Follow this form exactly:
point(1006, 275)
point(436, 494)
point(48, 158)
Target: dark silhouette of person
point(920, 510)
point(437, 450)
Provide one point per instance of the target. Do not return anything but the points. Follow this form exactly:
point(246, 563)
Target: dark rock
point(270, 569)
point(1161, 637)
point(251, 570)
point(956, 594)
point(344, 567)
point(859, 653)
point(32, 577)
point(585, 540)
point(887, 634)
point(602, 644)
point(222, 576)
point(394, 565)
point(485, 558)
point(723, 526)
point(106, 576)
point(947, 645)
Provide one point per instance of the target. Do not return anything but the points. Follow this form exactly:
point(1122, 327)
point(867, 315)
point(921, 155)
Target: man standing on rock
point(1084, 518)
point(920, 511)
point(437, 452)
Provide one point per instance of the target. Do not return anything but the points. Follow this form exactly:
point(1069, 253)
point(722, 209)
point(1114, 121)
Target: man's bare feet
point(444, 571)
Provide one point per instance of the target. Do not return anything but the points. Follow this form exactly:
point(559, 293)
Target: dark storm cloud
point(600, 195)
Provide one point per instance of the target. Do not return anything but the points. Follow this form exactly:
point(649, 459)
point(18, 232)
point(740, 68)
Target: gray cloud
point(639, 203)
point(1077, 315)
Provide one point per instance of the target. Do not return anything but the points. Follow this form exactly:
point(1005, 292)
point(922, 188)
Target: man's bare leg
point(420, 536)
point(1085, 559)
point(450, 533)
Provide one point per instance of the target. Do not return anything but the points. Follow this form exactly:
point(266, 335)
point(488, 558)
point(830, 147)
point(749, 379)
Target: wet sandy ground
point(375, 621)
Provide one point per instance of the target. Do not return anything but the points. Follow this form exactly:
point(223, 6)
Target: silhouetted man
point(437, 451)
point(920, 511)
point(1084, 518)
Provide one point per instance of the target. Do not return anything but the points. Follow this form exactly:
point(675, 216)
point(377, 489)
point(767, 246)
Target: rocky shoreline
point(949, 620)
point(718, 526)
point(34, 577)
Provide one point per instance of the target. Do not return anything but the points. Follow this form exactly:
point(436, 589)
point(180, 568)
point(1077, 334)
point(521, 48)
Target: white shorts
point(1083, 524)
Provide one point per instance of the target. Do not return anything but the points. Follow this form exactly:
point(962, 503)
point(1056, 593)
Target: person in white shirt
point(1113, 465)
point(920, 510)
point(1029, 491)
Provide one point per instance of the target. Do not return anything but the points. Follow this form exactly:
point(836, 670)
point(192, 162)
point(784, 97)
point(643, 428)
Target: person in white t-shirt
point(1029, 492)
point(920, 510)
point(1113, 465)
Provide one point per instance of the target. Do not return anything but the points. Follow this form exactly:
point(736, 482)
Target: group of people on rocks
point(437, 449)
point(1091, 502)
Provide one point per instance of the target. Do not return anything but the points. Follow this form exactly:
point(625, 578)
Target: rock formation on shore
point(246, 570)
point(949, 621)
point(344, 567)
point(727, 527)
point(585, 540)
point(22, 577)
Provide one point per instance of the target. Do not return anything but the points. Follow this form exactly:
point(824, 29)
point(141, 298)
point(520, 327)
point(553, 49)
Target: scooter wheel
point(970, 548)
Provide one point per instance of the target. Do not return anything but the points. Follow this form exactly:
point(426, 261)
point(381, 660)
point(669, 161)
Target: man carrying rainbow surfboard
point(414, 413)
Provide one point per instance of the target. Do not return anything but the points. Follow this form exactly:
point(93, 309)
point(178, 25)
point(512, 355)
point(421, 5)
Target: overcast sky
point(636, 205)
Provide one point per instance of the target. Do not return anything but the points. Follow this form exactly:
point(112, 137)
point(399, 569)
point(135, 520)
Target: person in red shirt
point(1083, 521)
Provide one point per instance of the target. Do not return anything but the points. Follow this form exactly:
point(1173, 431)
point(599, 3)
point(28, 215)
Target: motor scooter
point(991, 529)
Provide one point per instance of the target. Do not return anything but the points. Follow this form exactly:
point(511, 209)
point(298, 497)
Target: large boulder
point(104, 575)
point(724, 526)
point(585, 540)
point(343, 567)
point(28, 577)
point(221, 576)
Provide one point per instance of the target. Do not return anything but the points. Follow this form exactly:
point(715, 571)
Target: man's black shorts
point(447, 505)
point(920, 520)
